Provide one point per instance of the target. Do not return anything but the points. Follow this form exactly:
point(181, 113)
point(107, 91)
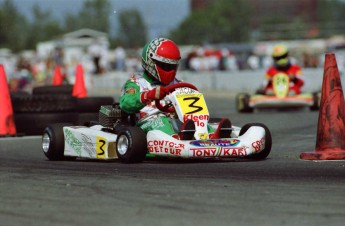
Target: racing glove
point(293, 78)
point(157, 93)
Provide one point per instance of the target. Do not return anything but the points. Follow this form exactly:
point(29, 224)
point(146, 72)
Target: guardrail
point(228, 82)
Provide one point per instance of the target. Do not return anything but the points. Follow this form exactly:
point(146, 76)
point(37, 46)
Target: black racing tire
point(268, 141)
point(92, 104)
point(34, 124)
point(316, 101)
point(15, 94)
point(242, 103)
point(131, 144)
point(52, 89)
point(43, 103)
point(53, 142)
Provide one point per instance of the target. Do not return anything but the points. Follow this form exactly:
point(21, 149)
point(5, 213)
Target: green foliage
point(18, 33)
point(13, 27)
point(44, 27)
point(95, 14)
point(223, 21)
point(331, 17)
point(132, 32)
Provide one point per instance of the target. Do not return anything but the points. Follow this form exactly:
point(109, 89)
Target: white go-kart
point(116, 136)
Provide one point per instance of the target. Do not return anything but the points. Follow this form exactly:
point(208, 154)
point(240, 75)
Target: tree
point(71, 22)
point(95, 15)
point(223, 21)
point(13, 27)
point(43, 27)
point(331, 17)
point(132, 31)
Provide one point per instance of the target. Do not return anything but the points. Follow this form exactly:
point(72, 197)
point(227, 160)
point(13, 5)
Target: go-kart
point(116, 136)
point(281, 96)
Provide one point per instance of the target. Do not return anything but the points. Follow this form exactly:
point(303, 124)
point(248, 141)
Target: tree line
point(222, 21)
point(19, 33)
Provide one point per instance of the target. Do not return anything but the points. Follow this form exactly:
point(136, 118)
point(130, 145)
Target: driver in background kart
point(282, 64)
point(160, 60)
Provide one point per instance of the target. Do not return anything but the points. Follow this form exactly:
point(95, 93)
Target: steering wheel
point(170, 89)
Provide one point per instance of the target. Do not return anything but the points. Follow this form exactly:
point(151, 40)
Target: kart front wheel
point(131, 144)
point(242, 103)
point(268, 141)
point(53, 143)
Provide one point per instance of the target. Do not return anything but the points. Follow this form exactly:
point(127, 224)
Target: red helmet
point(160, 58)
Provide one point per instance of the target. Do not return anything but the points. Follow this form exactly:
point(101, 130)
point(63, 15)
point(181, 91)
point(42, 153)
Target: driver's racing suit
point(292, 70)
point(130, 103)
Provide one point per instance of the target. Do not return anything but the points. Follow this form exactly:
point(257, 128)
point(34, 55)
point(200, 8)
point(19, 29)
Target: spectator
point(120, 57)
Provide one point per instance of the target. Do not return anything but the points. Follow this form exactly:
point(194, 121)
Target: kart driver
point(282, 64)
point(160, 61)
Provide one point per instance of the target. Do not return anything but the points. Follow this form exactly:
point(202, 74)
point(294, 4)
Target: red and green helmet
point(160, 58)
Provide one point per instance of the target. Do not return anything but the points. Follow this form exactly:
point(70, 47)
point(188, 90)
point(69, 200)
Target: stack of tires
point(53, 104)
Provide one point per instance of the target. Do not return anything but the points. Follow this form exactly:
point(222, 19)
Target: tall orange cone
point(7, 126)
point(57, 79)
point(330, 140)
point(79, 89)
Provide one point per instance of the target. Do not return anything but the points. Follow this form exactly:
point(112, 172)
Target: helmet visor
point(277, 58)
point(166, 66)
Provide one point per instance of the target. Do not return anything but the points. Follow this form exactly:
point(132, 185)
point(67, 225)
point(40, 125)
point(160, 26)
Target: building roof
point(85, 33)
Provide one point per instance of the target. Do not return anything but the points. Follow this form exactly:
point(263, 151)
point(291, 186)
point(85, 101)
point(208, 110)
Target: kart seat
point(185, 130)
point(224, 129)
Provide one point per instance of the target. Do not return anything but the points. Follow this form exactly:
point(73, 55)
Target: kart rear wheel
point(131, 144)
point(53, 142)
point(242, 103)
point(317, 100)
point(268, 141)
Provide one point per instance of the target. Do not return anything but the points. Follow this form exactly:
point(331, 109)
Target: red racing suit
point(292, 70)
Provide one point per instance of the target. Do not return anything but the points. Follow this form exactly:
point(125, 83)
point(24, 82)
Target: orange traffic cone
point(57, 79)
point(7, 126)
point(330, 140)
point(79, 89)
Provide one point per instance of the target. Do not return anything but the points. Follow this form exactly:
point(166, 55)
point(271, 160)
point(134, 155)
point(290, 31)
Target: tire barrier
point(52, 89)
point(43, 103)
point(32, 113)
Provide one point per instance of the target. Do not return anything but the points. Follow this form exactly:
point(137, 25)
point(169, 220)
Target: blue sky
point(159, 15)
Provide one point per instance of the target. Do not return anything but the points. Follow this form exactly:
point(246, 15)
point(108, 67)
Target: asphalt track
point(281, 190)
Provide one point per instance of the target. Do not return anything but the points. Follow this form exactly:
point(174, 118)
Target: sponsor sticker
point(218, 151)
point(165, 146)
point(193, 103)
point(72, 141)
point(211, 143)
point(100, 147)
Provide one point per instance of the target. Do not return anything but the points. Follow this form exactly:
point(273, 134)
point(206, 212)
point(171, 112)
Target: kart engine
point(111, 115)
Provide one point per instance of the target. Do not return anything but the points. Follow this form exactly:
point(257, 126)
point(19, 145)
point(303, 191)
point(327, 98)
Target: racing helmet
point(160, 58)
point(280, 55)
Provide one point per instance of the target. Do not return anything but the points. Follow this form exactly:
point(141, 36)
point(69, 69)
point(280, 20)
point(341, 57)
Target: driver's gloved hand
point(292, 78)
point(157, 93)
